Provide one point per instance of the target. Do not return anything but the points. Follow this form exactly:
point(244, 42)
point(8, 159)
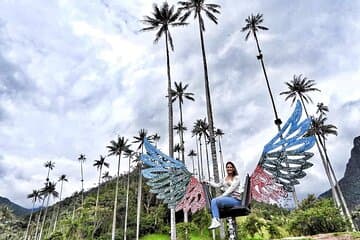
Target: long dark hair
point(235, 173)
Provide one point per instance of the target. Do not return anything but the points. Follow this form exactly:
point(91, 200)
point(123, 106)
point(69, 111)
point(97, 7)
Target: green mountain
point(11, 226)
point(349, 184)
point(15, 208)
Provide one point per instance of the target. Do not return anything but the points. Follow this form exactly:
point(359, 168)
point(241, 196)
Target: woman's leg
point(221, 202)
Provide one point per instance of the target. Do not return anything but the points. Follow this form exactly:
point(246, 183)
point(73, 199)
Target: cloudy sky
point(75, 74)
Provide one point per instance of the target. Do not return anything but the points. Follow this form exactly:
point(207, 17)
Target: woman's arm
point(216, 185)
point(234, 186)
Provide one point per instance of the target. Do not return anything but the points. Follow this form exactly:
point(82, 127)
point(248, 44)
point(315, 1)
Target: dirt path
point(332, 236)
point(327, 236)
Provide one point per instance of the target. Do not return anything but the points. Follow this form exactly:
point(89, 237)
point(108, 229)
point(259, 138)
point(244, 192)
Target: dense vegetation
point(76, 223)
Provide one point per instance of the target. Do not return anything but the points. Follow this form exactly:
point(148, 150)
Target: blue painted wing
point(166, 177)
point(285, 156)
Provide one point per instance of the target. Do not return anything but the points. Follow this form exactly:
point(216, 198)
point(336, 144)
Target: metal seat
point(242, 210)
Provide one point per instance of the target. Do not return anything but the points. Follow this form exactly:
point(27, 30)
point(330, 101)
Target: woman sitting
point(231, 196)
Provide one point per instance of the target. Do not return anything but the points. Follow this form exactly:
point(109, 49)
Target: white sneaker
point(214, 224)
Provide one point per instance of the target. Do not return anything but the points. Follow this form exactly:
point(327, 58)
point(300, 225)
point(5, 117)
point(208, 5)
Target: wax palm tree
point(177, 149)
point(116, 148)
point(321, 131)
point(199, 7)
point(180, 94)
point(99, 164)
point(161, 20)
point(50, 165)
point(129, 154)
point(322, 109)
point(62, 179)
point(298, 87)
point(35, 196)
point(192, 154)
point(156, 138)
point(219, 133)
point(204, 128)
point(106, 176)
point(180, 128)
point(142, 135)
point(196, 131)
point(40, 213)
point(140, 139)
point(253, 25)
point(49, 191)
point(82, 159)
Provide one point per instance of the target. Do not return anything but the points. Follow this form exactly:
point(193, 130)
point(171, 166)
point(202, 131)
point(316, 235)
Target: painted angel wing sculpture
point(283, 160)
point(194, 198)
point(167, 177)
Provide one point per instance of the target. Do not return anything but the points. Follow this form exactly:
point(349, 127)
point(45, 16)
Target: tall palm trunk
point(335, 187)
point(38, 220)
point(127, 202)
point(193, 164)
point(221, 159)
point(260, 57)
point(115, 201)
point(171, 135)
point(208, 106)
point(170, 108)
point(323, 159)
point(139, 201)
point(58, 208)
point(48, 175)
point(44, 217)
point(82, 185)
point(198, 157)
point(338, 191)
point(277, 119)
point(179, 153)
point(28, 226)
point(98, 192)
point(207, 158)
point(201, 161)
point(182, 148)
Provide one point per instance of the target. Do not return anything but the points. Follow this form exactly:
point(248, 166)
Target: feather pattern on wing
point(166, 177)
point(284, 157)
point(194, 198)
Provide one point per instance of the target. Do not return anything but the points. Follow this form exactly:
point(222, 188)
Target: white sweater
point(230, 188)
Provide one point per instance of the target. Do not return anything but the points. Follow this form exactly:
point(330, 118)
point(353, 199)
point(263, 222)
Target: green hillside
point(15, 208)
point(77, 223)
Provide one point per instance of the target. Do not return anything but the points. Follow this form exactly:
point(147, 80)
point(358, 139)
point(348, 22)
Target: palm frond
point(211, 16)
point(170, 41)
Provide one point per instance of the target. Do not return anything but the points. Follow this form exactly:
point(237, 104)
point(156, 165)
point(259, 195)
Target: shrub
point(321, 216)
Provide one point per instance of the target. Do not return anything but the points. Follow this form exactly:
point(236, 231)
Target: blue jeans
point(222, 202)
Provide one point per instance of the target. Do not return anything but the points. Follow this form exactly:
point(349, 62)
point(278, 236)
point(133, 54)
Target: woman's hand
point(205, 182)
